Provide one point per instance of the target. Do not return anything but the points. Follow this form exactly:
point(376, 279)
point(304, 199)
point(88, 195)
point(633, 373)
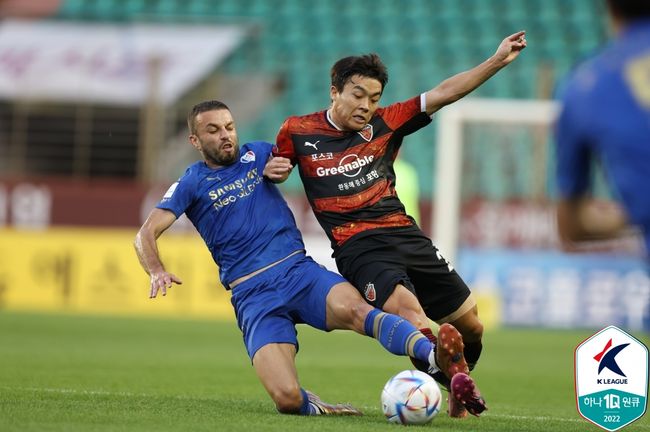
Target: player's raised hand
point(510, 47)
point(277, 169)
point(162, 281)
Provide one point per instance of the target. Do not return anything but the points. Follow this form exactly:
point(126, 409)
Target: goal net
point(491, 149)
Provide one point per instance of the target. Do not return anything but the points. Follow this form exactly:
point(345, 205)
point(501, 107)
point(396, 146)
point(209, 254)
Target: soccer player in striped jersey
point(253, 238)
point(345, 158)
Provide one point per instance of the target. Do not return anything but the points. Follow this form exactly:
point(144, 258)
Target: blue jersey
point(241, 216)
point(606, 115)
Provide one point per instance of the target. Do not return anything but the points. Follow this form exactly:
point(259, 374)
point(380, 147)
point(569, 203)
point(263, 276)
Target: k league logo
point(611, 371)
point(607, 359)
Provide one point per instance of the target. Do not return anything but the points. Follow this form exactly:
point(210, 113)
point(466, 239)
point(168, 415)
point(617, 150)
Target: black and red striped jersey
point(348, 176)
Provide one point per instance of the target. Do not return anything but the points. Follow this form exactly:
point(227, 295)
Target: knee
point(358, 311)
point(288, 399)
point(405, 304)
point(473, 330)
point(415, 315)
point(470, 326)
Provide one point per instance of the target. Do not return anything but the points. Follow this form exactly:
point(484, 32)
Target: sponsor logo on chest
point(350, 166)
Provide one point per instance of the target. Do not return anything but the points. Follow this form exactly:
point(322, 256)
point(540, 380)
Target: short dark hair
point(367, 65)
point(202, 107)
point(630, 9)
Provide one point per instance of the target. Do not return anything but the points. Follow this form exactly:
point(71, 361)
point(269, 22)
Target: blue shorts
point(269, 305)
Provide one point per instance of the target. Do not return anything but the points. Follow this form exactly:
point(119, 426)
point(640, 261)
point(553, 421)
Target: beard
point(223, 158)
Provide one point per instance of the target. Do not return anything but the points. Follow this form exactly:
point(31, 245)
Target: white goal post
point(450, 138)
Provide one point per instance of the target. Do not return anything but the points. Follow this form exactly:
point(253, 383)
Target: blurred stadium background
point(93, 98)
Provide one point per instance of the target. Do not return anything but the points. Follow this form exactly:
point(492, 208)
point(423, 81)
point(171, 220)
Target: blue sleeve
point(180, 195)
point(573, 153)
point(263, 150)
point(265, 147)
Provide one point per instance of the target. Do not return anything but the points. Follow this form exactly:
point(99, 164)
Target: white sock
point(433, 366)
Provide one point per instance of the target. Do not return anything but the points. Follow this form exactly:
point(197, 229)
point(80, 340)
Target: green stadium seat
point(421, 41)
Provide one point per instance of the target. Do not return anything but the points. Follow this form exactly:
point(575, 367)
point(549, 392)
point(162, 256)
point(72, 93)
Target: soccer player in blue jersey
point(253, 238)
point(605, 116)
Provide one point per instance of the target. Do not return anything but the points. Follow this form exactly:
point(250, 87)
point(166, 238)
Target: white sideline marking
point(128, 394)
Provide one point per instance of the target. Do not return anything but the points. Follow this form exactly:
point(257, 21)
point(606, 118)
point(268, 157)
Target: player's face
point(216, 137)
point(353, 107)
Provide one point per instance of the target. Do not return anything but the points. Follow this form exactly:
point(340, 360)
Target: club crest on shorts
point(369, 292)
point(611, 378)
point(366, 133)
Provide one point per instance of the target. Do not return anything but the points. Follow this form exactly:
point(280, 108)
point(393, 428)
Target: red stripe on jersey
point(310, 124)
point(397, 114)
point(342, 233)
point(283, 144)
point(314, 123)
point(362, 199)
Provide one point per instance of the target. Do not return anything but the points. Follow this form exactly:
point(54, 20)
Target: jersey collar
point(330, 121)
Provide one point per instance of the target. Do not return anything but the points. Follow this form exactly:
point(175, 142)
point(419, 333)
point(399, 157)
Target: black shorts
point(376, 263)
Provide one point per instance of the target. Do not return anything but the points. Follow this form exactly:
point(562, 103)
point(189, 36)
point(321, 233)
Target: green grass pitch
point(81, 373)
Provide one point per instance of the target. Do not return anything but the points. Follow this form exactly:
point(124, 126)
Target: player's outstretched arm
point(456, 87)
point(147, 250)
point(277, 169)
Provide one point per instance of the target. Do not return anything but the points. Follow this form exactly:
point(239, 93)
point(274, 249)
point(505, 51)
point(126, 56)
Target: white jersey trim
point(423, 103)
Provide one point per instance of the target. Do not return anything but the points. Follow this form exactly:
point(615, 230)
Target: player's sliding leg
point(397, 335)
point(275, 366)
point(439, 376)
point(318, 407)
point(346, 309)
point(404, 303)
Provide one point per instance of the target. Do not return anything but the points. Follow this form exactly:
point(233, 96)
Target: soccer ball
point(411, 397)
